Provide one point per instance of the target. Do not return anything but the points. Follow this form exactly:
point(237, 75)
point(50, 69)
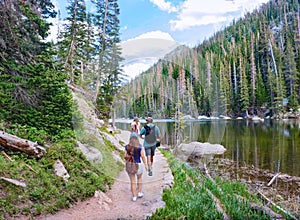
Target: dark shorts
point(150, 151)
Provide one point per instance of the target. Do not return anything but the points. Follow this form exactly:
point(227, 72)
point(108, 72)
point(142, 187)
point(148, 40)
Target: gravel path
point(116, 203)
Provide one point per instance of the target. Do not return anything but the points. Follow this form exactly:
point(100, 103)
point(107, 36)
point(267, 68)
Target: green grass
point(187, 199)
point(46, 193)
point(190, 197)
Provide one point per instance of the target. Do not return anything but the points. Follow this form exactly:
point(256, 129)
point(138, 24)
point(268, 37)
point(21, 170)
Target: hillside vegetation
point(36, 104)
point(250, 68)
point(45, 192)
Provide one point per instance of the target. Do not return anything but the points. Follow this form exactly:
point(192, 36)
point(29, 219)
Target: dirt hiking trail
point(116, 203)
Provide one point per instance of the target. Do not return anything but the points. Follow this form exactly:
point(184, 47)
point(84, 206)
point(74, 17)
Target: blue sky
point(186, 21)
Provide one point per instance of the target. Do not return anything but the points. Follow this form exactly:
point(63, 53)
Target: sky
point(186, 22)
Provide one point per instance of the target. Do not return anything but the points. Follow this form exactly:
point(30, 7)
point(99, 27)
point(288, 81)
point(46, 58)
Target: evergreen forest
point(38, 110)
point(35, 74)
point(54, 93)
point(251, 68)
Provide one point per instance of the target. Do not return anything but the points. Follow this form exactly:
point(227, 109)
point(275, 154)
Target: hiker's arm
point(125, 151)
point(142, 132)
point(157, 133)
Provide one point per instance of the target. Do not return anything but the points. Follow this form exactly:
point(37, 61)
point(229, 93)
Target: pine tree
point(74, 40)
point(109, 74)
point(32, 91)
point(253, 74)
point(244, 94)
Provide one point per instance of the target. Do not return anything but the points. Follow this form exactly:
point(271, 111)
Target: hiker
point(136, 125)
point(150, 141)
point(139, 156)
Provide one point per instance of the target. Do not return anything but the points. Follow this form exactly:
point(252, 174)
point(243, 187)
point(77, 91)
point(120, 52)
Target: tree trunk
point(12, 142)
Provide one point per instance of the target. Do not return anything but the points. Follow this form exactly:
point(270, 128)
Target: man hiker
point(151, 133)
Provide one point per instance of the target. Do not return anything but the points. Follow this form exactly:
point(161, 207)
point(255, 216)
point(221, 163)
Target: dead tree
point(14, 143)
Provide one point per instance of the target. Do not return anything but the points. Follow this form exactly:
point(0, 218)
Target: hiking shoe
point(134, 199)
point(140, 195)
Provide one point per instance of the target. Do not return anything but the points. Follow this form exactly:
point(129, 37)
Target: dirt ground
point(116, 203)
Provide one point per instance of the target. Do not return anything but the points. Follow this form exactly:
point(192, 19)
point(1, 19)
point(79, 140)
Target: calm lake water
point(268, 144)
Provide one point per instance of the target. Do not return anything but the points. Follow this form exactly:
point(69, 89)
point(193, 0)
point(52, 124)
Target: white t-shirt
point(138, 125)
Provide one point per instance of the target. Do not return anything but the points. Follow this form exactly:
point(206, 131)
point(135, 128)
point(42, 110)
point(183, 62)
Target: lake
point(268, 144)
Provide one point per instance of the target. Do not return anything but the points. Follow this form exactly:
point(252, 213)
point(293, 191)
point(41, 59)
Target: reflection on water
point(271, 144)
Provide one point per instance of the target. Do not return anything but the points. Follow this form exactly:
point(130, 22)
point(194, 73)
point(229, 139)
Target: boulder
point(197, 149)
point(60, 170)
point(93, 154)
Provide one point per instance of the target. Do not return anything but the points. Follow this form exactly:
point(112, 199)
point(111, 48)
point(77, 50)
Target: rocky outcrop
point(197, 151)
point(92, 154)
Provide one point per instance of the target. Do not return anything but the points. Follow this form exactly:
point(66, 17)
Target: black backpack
point(150, 134)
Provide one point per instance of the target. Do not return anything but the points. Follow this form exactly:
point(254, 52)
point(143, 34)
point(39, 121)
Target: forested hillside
point(252, 67)
point(32, 88)
point(34, 72)
point(37, 106)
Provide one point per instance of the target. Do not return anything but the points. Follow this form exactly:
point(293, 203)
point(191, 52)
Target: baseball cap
point(149, 119)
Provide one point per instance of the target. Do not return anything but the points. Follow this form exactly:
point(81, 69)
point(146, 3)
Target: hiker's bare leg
point(139, 180)
point(149, 162)
point(133, 184)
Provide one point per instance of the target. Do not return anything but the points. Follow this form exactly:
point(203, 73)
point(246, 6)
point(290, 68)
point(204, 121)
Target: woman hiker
point(135, 125)
point(138, 153)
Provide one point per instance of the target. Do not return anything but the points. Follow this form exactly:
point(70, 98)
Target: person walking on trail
point(136, 125)
point(135, 148)
point(151, 133)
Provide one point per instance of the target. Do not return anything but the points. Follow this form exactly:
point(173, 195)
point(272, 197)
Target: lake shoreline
point(284, 190)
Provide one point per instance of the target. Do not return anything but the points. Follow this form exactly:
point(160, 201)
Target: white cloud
point(154, 34)
point(202, 12)
point(164, 5)
point(139, 66)
point(141, 52)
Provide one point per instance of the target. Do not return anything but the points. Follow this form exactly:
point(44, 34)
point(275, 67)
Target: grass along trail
point(116, 203)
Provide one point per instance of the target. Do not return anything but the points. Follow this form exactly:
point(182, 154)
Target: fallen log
point(265, 209)
point(14, 143)
point(273, 179)
point(253, 206)
point(15, 182)
point(217, 201)
point(275, 205)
